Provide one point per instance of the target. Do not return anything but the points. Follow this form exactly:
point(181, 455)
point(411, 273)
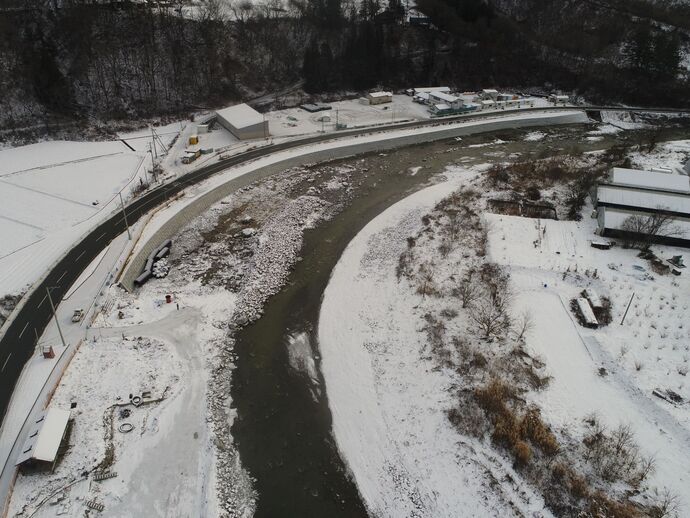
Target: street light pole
point(57, 323)
point(122, 203)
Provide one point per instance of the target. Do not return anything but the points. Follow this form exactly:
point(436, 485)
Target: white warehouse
point(629, 192)
point(243, 121)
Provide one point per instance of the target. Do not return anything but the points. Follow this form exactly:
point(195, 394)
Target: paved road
point(18, 343)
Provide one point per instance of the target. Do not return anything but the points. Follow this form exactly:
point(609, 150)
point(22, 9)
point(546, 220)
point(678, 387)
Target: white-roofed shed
point(587, 313)
point(243, 121)
point(594, 298)
point(45, 437)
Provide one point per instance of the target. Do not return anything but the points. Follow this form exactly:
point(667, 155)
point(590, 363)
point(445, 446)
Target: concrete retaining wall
point(387, 142)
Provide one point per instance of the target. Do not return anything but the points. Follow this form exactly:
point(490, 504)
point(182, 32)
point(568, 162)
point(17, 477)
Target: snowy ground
point(390, 397)
point(388, 402)
point(353, 113)
point(653, 337)
point(54, 192)
point(215, 281)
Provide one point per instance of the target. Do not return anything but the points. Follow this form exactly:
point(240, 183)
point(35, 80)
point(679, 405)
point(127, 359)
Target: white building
point(45, 438)
point(243, 121)
point(629, 192)
point(489, 93)
point(380, 97)
point(453, 102)
point(428, 89)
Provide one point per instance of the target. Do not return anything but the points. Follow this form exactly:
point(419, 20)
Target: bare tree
point(642, 230)
point(467, 290)
point(491, 317)
point(523, 325)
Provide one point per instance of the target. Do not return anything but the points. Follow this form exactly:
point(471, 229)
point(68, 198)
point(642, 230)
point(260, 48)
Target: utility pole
point(153, 142)
point(124, 214)
point(52, 306)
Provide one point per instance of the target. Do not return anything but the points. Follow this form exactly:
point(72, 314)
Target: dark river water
point(283, 424)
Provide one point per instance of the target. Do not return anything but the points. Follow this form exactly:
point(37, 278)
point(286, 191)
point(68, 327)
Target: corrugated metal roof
point(241, 115)
point(631, 197)
point(443, 97)
point(650, 179)
point(45, 436)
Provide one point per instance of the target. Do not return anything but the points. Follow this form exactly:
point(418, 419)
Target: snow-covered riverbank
point(388, 403)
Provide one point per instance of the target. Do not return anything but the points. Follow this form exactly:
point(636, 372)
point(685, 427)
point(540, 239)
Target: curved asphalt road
point(18, 343)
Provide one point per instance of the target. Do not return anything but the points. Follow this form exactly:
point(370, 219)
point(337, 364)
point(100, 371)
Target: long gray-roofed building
point(243, 121)
point(629, 192)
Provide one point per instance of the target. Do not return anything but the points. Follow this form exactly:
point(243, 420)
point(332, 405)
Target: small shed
point(601, 244)
point(489, 94)
point(593, 298)
point(45, 437)
point(243, 121)
point(587, 314)
point(380, 97)
point(315, 107)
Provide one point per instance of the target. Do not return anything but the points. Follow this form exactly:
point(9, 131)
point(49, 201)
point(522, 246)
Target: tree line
point(119, 60)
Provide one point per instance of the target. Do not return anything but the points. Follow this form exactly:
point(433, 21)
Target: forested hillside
point(122, 60)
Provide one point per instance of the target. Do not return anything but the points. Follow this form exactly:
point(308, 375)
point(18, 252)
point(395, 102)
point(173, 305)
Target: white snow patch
point(388, 404)
point(534, 136)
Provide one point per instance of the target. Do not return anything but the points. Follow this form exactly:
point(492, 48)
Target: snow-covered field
point(53, 192)
point(390, 397)
point(653, 337)
point(388, 401)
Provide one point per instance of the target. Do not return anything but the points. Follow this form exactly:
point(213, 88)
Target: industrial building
point(46, 436)
point(380, 97)
point(630, 192)
point(243, 121)
point(427, 89)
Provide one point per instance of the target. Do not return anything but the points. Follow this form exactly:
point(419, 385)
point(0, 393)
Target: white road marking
point(5, 364)
point(25, 326)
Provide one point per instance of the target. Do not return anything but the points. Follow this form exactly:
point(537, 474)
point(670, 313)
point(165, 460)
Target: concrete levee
point(386, 142)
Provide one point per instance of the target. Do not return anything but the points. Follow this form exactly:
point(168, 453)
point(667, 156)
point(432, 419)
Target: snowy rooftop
point(443, 96)
point(381, 94)
point(45, 438)
point(428, 89)
point(639, 197)
point(586, 311)
point(490, 91)
point(650, 179)
point(241, 115)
